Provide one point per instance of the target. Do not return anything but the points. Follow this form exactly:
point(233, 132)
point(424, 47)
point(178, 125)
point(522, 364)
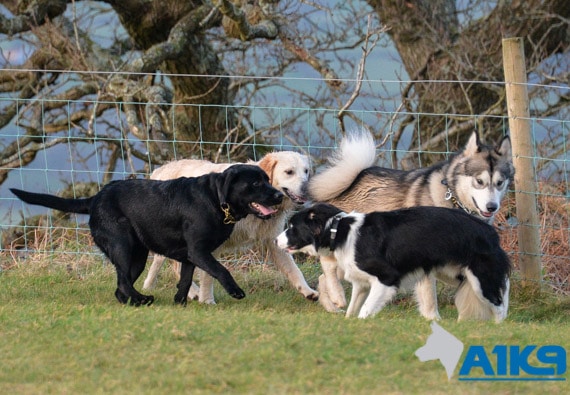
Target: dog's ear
point(504, 147)
point(473, 145)
point(504, 150)
point(268, 164)
point(315, 225)
point(224, 182)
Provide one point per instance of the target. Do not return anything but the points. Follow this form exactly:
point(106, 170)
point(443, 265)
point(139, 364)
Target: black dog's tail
point(79, 206)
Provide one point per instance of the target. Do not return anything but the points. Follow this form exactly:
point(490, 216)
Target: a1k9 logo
point(514, 363)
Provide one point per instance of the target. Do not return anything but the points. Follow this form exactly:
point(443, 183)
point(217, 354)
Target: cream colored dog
point(289, 173)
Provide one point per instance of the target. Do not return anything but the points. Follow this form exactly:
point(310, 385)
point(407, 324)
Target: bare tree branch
point(265, 28)
point(366, 50)
point(35, 14)
point(191, 79)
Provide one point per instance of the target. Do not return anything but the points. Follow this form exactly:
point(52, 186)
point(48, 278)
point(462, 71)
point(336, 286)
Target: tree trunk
point(433, 48)
point(202, 99)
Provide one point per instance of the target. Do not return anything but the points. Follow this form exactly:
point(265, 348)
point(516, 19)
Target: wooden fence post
point(522, 144)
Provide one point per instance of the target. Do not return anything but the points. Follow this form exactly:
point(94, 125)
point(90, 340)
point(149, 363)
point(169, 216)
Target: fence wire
point(80, 158)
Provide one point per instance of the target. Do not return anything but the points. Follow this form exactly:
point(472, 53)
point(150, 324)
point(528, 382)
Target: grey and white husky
point(474, 179)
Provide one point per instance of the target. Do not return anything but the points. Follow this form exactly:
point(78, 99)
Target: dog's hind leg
point(426, 296)
point(119, 241)
point(138, 263)
point(129, 259)
point(324, 298)
point(206, 290)
point(194, 293)
point(334, 287)
point(378, 296)
point(186, 275)
point(152, 276)
point(286, 265)
point(357, 298)
point(204, 293)
point(176, 268)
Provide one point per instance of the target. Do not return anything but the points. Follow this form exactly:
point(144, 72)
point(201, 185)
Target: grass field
point(63, 332)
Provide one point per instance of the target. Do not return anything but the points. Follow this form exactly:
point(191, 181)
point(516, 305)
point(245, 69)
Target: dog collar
point(456, 202)
point(334, 227)
point(229, 218)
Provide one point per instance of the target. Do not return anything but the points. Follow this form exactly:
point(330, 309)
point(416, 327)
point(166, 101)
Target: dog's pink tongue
point(266, 210)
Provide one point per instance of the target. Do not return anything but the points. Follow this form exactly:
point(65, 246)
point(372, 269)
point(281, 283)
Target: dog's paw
point(238, 294)
point(339, 304)
point(431, 315)
point(194, 293)
point(314, 296)
point(181, 300)
point(333, 309)
point(121, 297)
point(141, 300)
point(329, 306)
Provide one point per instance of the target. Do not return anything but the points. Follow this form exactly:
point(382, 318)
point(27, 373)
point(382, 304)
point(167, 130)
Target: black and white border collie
point(382, 252)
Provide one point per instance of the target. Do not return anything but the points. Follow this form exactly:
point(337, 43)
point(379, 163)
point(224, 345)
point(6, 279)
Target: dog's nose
point(492, 207)
point(278, 196)
point(305, 189)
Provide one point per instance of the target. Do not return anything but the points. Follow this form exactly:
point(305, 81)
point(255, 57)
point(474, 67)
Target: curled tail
point(356, 152)
point(79, 206)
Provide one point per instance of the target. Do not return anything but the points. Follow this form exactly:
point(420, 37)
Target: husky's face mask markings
point(487, 193)
point(482, 177)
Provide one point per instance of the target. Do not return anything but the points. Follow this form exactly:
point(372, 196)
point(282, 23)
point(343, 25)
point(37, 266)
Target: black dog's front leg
point(210, 265)
point(186, 276)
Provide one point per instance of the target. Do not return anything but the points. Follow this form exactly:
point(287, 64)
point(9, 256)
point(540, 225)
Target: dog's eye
point(500, 183)
point(289, 172)
point(479, 181)
point(257, 184)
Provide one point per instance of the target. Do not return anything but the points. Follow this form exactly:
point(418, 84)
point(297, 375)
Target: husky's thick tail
point(356, 152)
point(79, 206)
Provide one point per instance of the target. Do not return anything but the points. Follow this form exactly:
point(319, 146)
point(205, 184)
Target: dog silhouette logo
point(443, 346)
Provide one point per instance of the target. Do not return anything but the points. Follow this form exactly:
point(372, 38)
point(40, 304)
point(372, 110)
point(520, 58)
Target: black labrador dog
point(185, 219)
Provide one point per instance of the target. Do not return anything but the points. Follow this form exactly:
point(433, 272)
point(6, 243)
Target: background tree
point(154, 79)
point(448, 40)
point(143, 59)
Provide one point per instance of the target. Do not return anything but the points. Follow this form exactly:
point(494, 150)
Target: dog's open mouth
point(298, 199)
point(261, 210)
point(484, 214)
point(291, 249)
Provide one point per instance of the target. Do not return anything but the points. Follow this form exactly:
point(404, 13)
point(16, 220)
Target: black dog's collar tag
point(229, 218)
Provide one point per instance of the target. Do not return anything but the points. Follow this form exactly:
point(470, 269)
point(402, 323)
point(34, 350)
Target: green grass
point(62, 331)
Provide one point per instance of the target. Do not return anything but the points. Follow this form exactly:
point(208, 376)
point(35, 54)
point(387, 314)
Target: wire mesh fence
point(81, 156)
